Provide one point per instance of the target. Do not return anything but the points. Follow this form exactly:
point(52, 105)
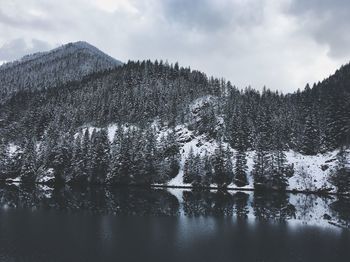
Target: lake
point(140, 224)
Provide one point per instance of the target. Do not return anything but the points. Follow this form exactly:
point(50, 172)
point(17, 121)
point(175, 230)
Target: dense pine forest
point(46, 130)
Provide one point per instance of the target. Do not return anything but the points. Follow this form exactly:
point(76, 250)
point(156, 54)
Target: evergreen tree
point(61, 158)
point(122, 164)
point(168, 158)
point(77, 163)
point(86, 156)
point(100, 157)
point(208, 172)
point(279, 176)
point(280, 170)
point(115, 154)
point(28, 169)
point(240, 177)
point(3, 159)
point(189, 168)
point(341, 176)
point(262, 168)
point(310, 137)
point(149, 159)
point(222, 167)
point(197, 171)
point(171, 151)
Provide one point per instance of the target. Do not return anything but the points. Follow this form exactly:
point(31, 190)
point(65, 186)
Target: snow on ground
point(46, 176)
point(200, 102)
point(198, 144)
point(311, 172)
point(111, 129)
point(310, 209)
point(12, 149)
point(308, 170)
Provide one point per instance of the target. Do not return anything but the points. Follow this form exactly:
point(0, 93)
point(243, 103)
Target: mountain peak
point(69, 62)
point(71, 47)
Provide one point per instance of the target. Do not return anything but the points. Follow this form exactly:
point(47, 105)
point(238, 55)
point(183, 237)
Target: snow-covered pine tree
point(341, 176)
point(208, 172)
point(168, 158)
point(86, 155)
point(172, 152)
point(115, 154)
point(310, 137)
point(62, 155)
point(77, 163)
point(280, 169)
point(223, 174)
point(189, 174)
point(28, 169)
point(279, 176)
point(240, 175)
point(262, 168)
point(100, 157)
point(3, 158)
point(122, 164)
point(149, 160)
point(197, 171)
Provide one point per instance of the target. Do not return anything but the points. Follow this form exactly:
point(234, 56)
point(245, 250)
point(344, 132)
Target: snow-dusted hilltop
point(70, 62)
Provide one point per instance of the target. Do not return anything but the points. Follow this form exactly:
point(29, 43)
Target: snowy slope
point(308, 169)
point(311, 172)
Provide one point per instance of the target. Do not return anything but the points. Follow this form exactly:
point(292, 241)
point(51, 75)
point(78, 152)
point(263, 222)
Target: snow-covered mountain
point(70, 62)
point(158, 123)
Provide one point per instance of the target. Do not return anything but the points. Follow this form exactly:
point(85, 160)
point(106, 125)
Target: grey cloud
point(18, 47)
point(327, 21)
point(255, 42)
point(25, 22)
point(211, 16)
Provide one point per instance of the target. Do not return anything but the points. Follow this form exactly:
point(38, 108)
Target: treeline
point(270, 170)
point(311, 121)
point(43, 123)
point(135, 156)
point(144, 157)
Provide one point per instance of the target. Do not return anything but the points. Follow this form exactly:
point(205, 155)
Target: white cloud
point(113, 5)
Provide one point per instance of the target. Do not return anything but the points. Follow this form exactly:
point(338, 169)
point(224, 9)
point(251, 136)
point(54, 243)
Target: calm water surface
point(135, 224)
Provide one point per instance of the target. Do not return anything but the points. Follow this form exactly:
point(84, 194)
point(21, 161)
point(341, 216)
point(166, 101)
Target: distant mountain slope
point(70, 62)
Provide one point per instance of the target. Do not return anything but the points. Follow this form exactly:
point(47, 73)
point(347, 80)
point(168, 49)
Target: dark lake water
point(138, 224)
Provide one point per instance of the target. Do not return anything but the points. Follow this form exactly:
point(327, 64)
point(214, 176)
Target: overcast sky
point(282, 44)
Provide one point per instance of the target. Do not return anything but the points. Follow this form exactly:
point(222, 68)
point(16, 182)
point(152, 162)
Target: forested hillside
point(39, 71)
point(152, 105)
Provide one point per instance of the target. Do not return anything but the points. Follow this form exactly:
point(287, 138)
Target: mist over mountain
point(76, 115)
point(70, 62)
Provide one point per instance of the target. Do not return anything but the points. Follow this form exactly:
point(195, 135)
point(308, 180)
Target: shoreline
point(189, 187)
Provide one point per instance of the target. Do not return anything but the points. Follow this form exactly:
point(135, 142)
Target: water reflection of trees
point(146, 201)
point(205, 203)
point(124, 201)
point(341, 211)
point(273, 206)
point(241, 205)
point(220, 203)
